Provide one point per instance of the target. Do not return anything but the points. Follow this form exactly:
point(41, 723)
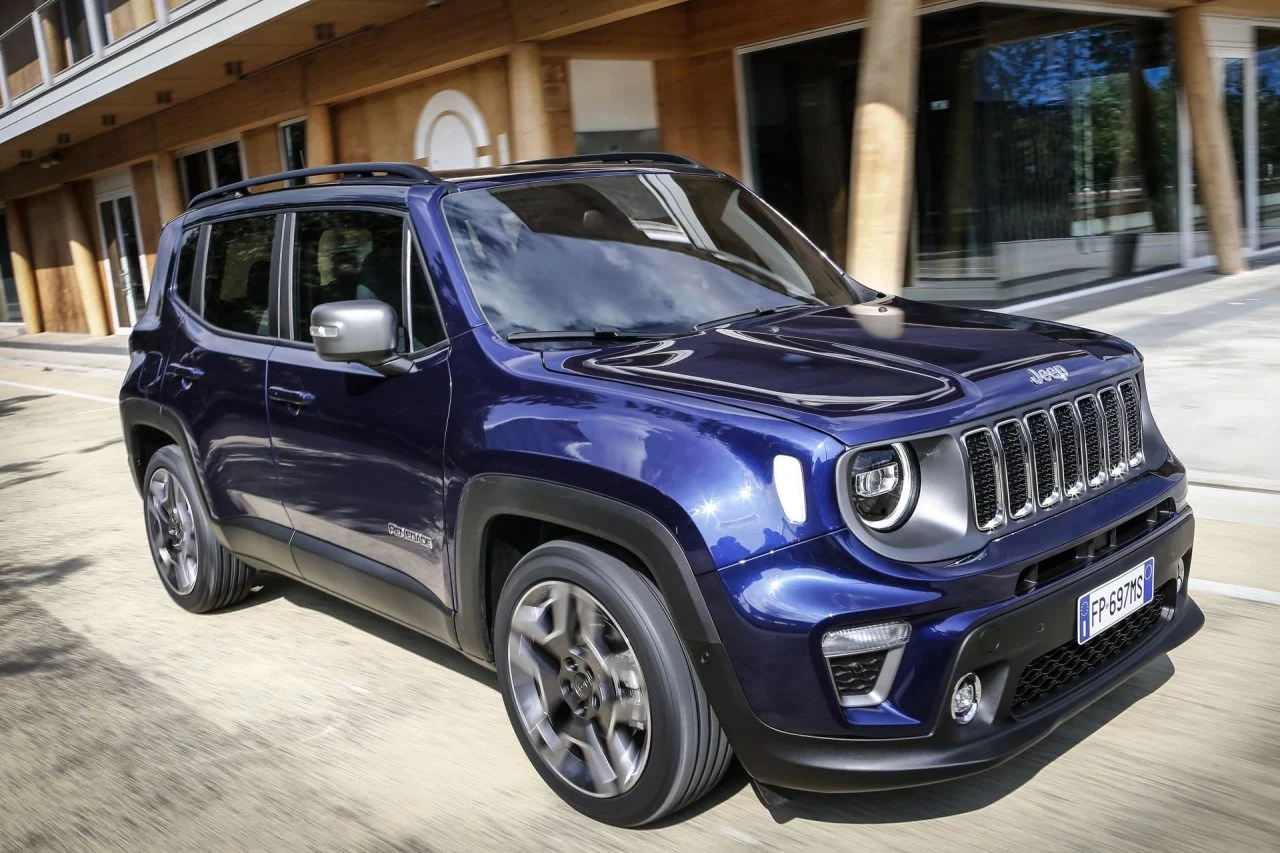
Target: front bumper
point(998, 645)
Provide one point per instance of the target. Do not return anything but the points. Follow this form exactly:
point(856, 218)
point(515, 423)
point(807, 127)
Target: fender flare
point(139, 411)
point(487, 496)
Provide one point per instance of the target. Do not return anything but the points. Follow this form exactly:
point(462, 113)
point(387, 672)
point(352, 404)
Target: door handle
point(186, 372)
point(291, 396)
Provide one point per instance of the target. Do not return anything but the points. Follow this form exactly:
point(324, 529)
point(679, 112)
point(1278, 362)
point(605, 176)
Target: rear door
point(216, 376)
point(360, 455)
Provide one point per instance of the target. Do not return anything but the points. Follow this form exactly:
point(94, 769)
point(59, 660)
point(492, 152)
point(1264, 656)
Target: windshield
point(635, 252)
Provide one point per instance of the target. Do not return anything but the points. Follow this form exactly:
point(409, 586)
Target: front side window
point(340, 255)
point(637, 252)
point(237, 278)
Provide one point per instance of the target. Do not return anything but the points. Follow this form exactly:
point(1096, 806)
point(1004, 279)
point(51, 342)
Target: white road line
point(47, 390)
point(1248, 593)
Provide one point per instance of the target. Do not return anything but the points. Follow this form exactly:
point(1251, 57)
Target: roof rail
point(407, 172)
point(616, 157)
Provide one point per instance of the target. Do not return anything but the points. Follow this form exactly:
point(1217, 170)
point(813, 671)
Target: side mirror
point(362, 331)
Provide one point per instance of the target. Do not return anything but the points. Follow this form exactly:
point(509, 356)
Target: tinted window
point(346, 254)
point(237, 279)
point(185, 274)
point(646, 252)
point(427, 328)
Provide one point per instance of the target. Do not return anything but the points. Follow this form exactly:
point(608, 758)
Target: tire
point(673, 757)
point(197, 572)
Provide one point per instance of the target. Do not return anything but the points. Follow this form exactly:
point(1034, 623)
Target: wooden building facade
point(922, 167)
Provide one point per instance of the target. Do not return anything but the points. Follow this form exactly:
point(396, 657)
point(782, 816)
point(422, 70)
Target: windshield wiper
point(747, 315)
point(600, 334)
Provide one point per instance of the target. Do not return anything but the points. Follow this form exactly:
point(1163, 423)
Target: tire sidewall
point(200, 596)
point(637, 609)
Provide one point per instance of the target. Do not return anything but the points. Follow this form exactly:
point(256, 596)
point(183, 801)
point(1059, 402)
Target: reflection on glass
point(1268, 137)
point(226, 164)
point(293, 145)
point(115, 266)
point(800, 126)
point(1045, 155)
point(66, 33)
point(132, 254)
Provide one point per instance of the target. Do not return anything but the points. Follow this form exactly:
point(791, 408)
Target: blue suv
point(614, 428)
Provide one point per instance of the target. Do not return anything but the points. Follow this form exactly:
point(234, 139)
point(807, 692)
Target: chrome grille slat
point(1070, 444)
point(1132, 423)
point(1044, 458)
point(1095, 451)
point(984, 478)
point(1020, 466)
point(1113, 425)
point(1017, 468)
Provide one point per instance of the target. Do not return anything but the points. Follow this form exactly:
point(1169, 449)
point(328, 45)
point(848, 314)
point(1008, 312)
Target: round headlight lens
point(884, 484)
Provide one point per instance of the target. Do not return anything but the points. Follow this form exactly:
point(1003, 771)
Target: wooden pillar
point(1210, 141)
point(20, 258)
point(168, 187)
point(530, 127)
point(84, 266)
point(884, 145)
point(320, 150)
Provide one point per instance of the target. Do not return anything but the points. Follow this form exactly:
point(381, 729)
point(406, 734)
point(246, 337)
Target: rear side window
point(184, 277)
point(237, 279)
point(340, 255)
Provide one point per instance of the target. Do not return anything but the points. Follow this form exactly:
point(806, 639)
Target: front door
point(359, 456)
point(122, 245)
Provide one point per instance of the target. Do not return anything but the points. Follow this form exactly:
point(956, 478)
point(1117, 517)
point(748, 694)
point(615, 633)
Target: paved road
point(296, 722)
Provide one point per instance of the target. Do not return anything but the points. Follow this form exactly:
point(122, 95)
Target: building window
point(66, 33)
point(1046, 149)
point(211, 167)
point(1268, 137)
point(10, 310)
point(293, 147)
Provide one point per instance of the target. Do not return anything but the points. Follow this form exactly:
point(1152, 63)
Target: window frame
point(196, 312)
point(410, 247)
point(197, 270)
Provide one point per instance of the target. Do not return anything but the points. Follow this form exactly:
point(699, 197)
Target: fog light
point(1181, 570)
point(966, 698)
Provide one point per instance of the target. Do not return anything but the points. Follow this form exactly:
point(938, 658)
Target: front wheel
point(599, 690)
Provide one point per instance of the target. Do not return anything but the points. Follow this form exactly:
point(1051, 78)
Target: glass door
point(123, 248)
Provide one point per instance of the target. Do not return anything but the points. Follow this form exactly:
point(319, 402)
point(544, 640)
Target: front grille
point(1071, 662)
point(856, 675)
point(1032, 464)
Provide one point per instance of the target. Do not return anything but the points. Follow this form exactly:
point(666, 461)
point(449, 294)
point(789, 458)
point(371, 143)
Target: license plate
point(1109, 604)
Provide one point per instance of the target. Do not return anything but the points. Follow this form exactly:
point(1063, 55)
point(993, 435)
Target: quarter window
point(340, 255)
point(427, 328)
point(237, 280)
point(185, 274)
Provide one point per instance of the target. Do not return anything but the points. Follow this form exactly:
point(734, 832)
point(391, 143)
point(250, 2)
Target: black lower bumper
point(1024, 633)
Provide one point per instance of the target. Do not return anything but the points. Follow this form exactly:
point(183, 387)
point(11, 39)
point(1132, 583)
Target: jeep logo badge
point(1041, 375)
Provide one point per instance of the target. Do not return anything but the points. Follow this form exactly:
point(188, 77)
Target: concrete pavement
point(297, 722)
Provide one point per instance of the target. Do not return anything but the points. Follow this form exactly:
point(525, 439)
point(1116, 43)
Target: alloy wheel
point(172, 529)
point(579, 689)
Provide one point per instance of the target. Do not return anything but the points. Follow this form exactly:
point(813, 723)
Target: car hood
point(862, 373)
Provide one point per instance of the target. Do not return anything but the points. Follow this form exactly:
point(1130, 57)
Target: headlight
point(885, 484)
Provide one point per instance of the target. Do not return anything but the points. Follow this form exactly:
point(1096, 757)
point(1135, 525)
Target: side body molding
point(488, 496)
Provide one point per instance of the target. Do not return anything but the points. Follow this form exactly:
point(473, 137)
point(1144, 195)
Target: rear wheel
point(599, 690)
point(197, 572)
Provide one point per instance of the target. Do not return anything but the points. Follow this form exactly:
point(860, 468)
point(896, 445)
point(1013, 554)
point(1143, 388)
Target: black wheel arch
point(487, 497)
point(139, 417)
